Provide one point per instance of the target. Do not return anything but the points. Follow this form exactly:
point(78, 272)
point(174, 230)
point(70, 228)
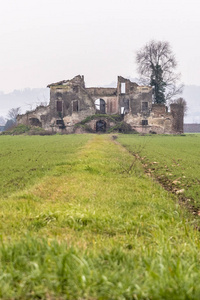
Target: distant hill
point(28, 99)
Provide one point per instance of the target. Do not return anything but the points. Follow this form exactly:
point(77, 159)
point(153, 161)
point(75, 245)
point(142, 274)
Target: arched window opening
point(100, 106)
point(35, 122)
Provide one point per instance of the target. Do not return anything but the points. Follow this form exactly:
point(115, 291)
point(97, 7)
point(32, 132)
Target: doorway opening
point(100, 126)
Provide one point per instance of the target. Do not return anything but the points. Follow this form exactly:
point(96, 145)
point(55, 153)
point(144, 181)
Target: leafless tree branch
point(159, 53)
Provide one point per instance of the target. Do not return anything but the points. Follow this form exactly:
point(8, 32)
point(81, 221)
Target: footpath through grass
point(92, 229)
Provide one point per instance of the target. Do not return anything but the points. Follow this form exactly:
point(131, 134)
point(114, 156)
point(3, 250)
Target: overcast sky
point(44, 41)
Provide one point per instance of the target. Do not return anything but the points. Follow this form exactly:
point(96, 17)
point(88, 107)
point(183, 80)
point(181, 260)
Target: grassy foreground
point(92, 228)
point(26, 159)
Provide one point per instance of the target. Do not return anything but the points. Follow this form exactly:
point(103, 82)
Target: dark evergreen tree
point(158, 84)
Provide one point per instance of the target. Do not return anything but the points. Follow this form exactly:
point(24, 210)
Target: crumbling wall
point(141, 102)
point(38, 117)
point(159, 120)
point(159, 110)
point(71, 102)
point(125, 86)
point(64, 101)
point(177, 112)
point(77, 80)
point(133, 98)
point(99, 92)
point(109, 95)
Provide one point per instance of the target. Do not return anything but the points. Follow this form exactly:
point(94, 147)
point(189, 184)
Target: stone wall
point(39, 117)
point(159, 110)
point(71, 99)
point(71, 102)
point(101, 92)
point(158, 120)
point(177, 112)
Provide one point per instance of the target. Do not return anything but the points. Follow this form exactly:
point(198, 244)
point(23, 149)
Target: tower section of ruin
point(177, 112)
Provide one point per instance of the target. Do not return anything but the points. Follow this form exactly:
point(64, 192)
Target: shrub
point(122, 127)
point(19, 129)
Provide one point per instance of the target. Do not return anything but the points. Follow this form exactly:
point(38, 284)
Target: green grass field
point(80, 219)
point(173, 160)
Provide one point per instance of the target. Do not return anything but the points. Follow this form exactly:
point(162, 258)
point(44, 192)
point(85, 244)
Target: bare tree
point(182, 103)
point(156, 65)
point(13, 113)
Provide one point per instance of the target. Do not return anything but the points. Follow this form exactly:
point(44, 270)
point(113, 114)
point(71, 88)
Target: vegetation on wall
point(120, 125)
point(114, 118)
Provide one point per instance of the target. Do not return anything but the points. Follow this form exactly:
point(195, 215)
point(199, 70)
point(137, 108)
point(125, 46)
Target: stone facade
point(71, 102)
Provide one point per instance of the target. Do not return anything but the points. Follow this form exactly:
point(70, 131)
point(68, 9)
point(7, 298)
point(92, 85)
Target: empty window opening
point(144, 122)
point(126, 103)
point(100, 106)
point(59, 106)
point(100, 126)
point(35, 122)
point(144, 106)
point(75, 89)
point(75, 105)
point(59, 95)
point(123, 87)
point(59, 122)
point(122, 110)
point(126, 106)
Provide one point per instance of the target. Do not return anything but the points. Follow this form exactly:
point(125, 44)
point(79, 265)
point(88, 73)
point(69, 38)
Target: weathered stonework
point(71, 102)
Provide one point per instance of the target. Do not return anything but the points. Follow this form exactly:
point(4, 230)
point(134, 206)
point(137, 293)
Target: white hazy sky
point(44, 41)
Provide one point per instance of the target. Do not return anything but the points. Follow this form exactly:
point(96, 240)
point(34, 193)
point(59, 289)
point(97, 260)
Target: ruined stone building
point(72, 104)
